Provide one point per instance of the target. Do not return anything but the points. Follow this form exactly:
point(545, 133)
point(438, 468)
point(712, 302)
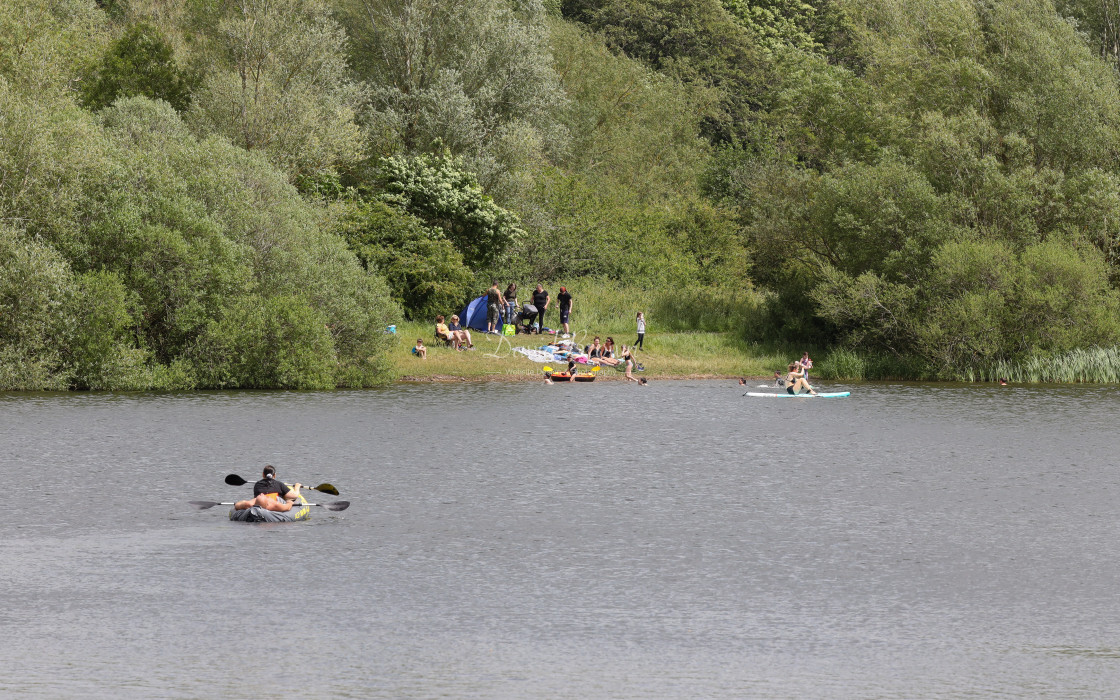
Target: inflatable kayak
point(787, 395)
point(564, 376)
point(300, 511)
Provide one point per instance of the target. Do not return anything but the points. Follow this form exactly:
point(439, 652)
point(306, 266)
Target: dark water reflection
point(586, 541)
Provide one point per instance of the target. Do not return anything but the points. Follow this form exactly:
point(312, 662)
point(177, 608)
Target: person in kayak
point(270, 494)
point(795, 380)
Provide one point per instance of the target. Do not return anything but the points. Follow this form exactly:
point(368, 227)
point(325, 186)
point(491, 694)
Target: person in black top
point(510, 297)
point(270, 494)
point(564, 299)
point(540, 300)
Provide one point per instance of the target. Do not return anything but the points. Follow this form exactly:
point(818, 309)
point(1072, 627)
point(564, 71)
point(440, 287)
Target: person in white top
point(641, 330)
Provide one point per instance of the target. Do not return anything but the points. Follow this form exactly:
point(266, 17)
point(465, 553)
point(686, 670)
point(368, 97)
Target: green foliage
point(443, 195)
point(1093, 364)
point(140, 62)
point(978, 303)
point(632, 130)
point(45, 46)
point(147, 239)
point(35, 283)
point(101, 349)
point(422, 268)
point(457, 75)
point(278, 83)
point(695, 41)
point(713, 309)
point(812, 27)
point(277, 342)
point(843, 364)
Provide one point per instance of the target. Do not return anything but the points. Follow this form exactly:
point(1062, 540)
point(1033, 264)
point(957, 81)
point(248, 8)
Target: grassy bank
point(666, 356)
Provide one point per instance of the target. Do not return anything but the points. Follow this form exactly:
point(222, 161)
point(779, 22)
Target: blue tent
point(474, 315)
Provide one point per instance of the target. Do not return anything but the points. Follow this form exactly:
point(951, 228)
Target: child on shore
point(420, 351)
point(641, 319)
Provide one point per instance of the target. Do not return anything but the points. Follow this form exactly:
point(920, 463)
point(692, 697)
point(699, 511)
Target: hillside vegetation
point(245, 193)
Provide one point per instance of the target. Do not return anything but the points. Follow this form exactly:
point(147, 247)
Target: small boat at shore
point(564, 376)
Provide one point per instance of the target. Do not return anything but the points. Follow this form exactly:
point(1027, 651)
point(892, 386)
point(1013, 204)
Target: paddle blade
point(325, 488)
point(596, 368)
point(547, 369)
point(203, 505)
point(337, 505)
point(235, 480)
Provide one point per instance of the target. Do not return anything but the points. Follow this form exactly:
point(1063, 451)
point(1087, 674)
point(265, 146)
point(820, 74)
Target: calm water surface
point(569, 541)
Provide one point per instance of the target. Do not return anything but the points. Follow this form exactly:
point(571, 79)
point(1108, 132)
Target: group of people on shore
point(502, 308)
point(603, 353)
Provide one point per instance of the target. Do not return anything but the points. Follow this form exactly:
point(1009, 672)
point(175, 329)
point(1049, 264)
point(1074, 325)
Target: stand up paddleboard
point(787, 395)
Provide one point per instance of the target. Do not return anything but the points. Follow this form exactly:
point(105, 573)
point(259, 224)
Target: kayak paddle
point(336, 505)
point(235, 480)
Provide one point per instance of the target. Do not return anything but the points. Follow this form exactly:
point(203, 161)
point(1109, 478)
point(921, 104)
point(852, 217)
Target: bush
point(842, 363)
point(276, 343)
point(424, 271)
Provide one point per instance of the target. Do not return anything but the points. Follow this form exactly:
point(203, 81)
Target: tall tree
point(469, 76)
point(280, 83)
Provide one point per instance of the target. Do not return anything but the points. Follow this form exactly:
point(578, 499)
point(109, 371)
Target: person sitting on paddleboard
point(795, 380)
point(270, 494)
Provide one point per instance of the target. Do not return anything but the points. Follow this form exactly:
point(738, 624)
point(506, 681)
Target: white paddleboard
point(787, 395)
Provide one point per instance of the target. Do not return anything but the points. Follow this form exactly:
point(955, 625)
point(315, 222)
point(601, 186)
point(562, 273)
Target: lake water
point(570, 541)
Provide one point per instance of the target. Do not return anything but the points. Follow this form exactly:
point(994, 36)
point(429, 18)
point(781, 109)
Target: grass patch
point(666, 355)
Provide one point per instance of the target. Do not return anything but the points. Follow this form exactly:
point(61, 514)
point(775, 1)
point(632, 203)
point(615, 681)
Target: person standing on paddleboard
point(806, 365)
point(270, 494)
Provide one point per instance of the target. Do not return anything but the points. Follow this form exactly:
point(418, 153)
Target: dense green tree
point(45, 46)
point(695, 41)
point(443, 195)
point(277, 342)
point(278, 83)
point(423, 269)
point(35, 283)
point(469, 77)
point(140, 62)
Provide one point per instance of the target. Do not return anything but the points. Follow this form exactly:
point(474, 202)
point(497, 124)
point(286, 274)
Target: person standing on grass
point(540, 300)
point(493, 308)
point(565, 301)
point(641, 319)
point(510, 297)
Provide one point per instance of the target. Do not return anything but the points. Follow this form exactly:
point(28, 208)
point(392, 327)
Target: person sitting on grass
point(420, 351)
point(462, 334)
point(795, 380)
point(595, 350)
point(606, 355)
point(443, 332)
